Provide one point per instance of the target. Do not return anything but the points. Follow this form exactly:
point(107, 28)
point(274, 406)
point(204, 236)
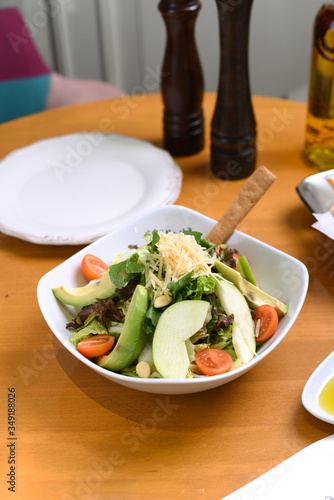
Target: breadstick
point(250, 193)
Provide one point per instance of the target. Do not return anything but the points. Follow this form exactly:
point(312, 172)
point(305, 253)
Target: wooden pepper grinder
point(182, 80)
point(233, 127)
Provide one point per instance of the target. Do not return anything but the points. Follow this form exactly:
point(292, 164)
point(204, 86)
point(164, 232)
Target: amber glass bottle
point(319, 138)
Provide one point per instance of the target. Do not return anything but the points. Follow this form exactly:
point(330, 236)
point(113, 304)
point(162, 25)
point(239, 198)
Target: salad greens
point(173, 268)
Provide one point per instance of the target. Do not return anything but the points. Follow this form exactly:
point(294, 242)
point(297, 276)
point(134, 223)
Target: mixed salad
point(177, 307)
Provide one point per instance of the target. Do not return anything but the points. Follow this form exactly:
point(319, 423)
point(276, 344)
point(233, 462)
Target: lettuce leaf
point(192, 289)
point(94, 327)
point(176, 286)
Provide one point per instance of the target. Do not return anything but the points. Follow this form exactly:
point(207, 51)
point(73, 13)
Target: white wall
point(123, 41)
point(279, 46)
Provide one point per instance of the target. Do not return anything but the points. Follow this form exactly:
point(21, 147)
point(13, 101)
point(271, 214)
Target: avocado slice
point(132, 338)
point(254, 295)
point(175, 326)
point(245, 270)
point(84, 295)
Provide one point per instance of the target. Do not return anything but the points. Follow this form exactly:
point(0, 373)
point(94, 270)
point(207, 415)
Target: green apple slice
point(176, 325)
point(243, 331)
point(84, 295)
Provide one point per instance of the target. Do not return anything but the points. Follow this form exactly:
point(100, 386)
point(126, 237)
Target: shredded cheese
point(178, 255)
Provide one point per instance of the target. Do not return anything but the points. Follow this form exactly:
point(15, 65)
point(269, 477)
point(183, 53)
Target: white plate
point(277, 273)
point(75, 188)
point(317, 191)
point(313, 387)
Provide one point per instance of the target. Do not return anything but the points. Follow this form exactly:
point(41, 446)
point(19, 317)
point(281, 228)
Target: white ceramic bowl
point(277, 273)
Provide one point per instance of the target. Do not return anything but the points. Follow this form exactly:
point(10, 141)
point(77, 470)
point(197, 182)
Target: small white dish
point(317, 191)
point(73, 189)
point(313, 387)
point(277, 273)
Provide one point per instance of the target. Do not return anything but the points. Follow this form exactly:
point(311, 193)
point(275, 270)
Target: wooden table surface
point(80, 436)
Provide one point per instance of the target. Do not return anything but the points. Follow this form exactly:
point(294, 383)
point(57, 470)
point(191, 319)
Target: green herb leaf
point(122, 272)
point(133, 266)
point(197, 235)
point(153, 314)
point(176, 286)
point(114, 273)
point(152, 245)
point(151, 319)
point(200, 241)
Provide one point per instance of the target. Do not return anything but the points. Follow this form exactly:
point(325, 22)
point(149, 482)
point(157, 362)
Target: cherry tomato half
point(93, 267)
point(96, 345)
point(213, 361)
point(268, 321)
point(236, 256)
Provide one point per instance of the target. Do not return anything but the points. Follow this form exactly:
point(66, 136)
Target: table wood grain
point(80, 436)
